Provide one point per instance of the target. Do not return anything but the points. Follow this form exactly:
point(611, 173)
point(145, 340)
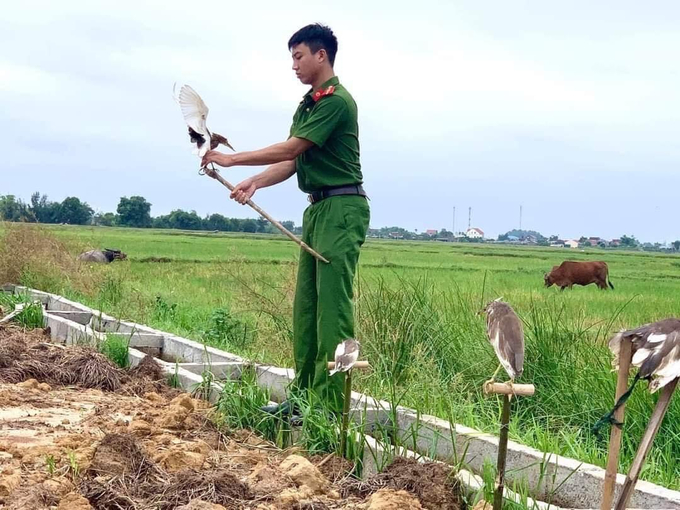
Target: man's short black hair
point(317, 37)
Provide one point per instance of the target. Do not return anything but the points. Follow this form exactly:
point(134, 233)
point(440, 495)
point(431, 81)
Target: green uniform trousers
point(323, 310)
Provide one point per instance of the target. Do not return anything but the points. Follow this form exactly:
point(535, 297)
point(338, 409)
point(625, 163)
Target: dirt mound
point(430, 482)
point(118, 454)
point(148, 368)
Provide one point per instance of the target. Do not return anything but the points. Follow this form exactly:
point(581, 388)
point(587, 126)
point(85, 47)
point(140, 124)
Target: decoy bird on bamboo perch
point(506, 335)
point(505, 332)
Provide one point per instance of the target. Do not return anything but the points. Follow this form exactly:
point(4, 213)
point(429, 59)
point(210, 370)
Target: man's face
point(305, 63)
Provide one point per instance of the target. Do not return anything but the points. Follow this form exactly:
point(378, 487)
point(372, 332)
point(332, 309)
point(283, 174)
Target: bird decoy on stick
point(346, 359)
point(505, 332)
point(655, 351)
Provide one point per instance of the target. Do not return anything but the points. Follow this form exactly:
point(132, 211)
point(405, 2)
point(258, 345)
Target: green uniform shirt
point(331, 124)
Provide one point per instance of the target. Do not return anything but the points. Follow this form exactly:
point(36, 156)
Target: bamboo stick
point(345, 412)
point(646, 444)
point(625, 355)
point(502, 453)
point(508, 389)
point(211, 172)
point(358, 364)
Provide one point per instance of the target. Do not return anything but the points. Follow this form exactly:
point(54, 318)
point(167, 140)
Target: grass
point(415, 309)
point(116, 347)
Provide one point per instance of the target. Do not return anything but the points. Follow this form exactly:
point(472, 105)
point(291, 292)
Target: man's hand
point(244, 190)
point(225, 160)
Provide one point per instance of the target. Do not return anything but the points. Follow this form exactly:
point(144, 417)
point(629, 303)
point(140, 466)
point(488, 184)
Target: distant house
point(396, 235)
point(431, 232)
point(593, 241)
point(474, 233)
point(571, 243)
point(513, 239)
point(615, 242)
point(530, 239)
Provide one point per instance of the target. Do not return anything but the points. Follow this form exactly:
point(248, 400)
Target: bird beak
point(228, 145)
point(480, 312)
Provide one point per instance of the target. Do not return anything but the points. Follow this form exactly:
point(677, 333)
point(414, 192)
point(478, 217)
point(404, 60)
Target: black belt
point(354, 189)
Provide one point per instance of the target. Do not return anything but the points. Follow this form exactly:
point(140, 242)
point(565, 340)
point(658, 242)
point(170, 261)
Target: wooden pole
point(502, 454)
point(646, 443)
point(345, 412)
point(358, 364)
point(212, 172)
point(625, 355)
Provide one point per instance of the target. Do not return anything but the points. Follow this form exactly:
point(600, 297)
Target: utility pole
point(469, 217)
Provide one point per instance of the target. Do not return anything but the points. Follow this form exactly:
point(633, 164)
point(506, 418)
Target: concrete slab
point(68, 332)
point(82, 318)
point(221, 370)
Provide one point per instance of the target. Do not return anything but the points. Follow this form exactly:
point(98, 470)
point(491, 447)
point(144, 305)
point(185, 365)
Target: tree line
point(134, 211)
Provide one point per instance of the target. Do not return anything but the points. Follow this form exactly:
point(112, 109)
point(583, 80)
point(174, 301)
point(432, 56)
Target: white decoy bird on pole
point(346, 355)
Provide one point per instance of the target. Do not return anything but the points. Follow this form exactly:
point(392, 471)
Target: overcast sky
point(570, 109)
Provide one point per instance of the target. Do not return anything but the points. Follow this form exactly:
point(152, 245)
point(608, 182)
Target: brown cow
point(579, 273)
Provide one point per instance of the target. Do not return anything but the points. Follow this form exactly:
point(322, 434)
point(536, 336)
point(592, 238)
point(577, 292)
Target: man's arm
point(275, 174)
point(277, 153)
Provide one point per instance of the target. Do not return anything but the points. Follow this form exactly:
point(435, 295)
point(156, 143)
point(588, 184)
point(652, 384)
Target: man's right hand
point(244, 190)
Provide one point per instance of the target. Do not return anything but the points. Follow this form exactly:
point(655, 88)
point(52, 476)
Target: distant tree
point(445, 234)
point(134, 212)
point(161, 221)
point(553, 239)
point(629, 242)
point(582, 240)
point(218, 222)
point(44, 210)
point(249, 225)
point(184, 220)
point(13, 209)
point(290, 225)
point(262, 224)
point(105, 219)
point(676, 245)
point(74, 212)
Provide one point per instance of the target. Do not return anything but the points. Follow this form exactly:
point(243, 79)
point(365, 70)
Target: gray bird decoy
point(506, 335)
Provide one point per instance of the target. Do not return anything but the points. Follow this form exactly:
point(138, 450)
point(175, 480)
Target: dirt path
point(69, 447)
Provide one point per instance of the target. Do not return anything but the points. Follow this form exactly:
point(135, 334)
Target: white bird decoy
point(346, 355)
point(506, 335)
point(195, 114)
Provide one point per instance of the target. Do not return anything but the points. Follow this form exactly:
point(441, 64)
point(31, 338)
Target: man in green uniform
point(323, 150)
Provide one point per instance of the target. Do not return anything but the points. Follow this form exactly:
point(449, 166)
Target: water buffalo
point(106, 255)
point(579, 273)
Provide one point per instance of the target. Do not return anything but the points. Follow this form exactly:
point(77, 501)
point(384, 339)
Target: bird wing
point(656, 351)
point(507, 336)
point(195, 113)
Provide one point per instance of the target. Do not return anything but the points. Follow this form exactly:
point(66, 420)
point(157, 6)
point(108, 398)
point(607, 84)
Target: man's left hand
point(225, 160)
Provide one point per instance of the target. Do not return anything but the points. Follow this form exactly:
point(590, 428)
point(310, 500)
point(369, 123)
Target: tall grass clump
point(116, 348)
point(34, 257)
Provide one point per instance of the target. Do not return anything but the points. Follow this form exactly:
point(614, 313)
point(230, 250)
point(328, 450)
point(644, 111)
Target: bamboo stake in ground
point(507, 390)
point(345, 412)
point(625, 356)
point(646, 444)
point(212, 172)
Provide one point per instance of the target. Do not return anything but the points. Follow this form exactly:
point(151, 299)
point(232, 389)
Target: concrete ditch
point(564, 481)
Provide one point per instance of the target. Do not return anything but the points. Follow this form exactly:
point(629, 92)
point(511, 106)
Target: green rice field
point(416, 305)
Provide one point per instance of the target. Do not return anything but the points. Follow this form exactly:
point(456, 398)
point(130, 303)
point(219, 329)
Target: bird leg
point(493, 377)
